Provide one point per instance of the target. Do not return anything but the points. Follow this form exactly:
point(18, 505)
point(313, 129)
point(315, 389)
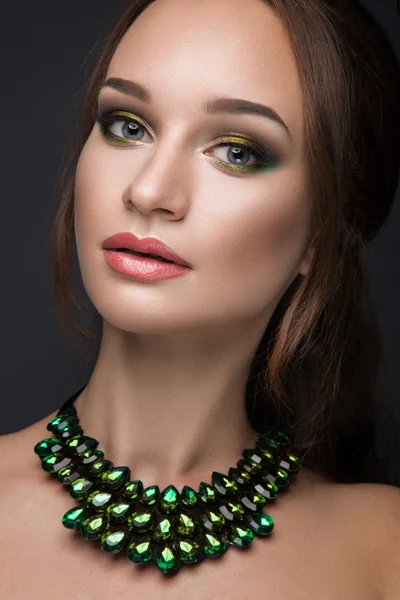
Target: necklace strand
point(167, 528)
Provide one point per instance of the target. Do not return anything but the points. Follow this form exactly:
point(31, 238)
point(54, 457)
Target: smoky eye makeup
point(240, 147)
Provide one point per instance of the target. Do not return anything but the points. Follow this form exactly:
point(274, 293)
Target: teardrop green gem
point(290, 462)
point(189, 551)
point(170, 499)
point(241, 476)
point(252, 500)
point(166, 560)
point(214, 546)
point(74, 517)
point(163, 531)
point(118, 512)
point(186, 526)
point(140, 551)
point(189, 496)
point(59, 423)
point(140, 522)
point(280, 477)
point(48, 446)
point(212, 519)
point(267, 489)
point(150, 495)
point(80, 488)
point(266, 443)
point(114, 541)
point(54, 462)
point(115, 478)
point(264, 458)
point(207, 493)
point(93, 527)
point(281, 438)
point(226, 486)
point(248, 465)
point(98, 467)
point(132, 489)
point(241, 536)
point(260, 523)
point(81, 443)
point(232, 511)
point(69, 474)
point(99, 500)
point(89, 457)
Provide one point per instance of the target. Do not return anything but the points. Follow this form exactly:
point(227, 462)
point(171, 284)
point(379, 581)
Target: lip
point(149, 245)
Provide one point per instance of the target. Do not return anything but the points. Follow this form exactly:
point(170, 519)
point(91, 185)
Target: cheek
point(261, 242)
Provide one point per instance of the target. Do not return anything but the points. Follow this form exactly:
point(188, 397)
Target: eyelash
point(267, 159)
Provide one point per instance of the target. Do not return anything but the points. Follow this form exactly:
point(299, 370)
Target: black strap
point(68, 407)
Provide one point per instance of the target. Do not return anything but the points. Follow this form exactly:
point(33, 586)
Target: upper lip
point(146, 246)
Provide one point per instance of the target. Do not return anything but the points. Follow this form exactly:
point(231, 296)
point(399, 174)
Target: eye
point(120, 126)
point(240, 149)
point(124, 128)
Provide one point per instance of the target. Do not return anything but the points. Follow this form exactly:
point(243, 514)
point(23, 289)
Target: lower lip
point(141, 267)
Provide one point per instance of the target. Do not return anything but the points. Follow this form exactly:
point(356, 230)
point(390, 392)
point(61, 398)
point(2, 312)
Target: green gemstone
point(80, 488)
point(99, 500)
point(48, 446)
point(98, 467)
point(212, 519)
point(114, 541)
point(214, 546)
point(289, 462)
point(241, 536)
point(241, 476)
point(281, 438)
point(226, 486)
point(189, 497)
point(140, 551)
point(118, 512)
point(141, 522)
point(150, 495)
point(132, 489)
point(186, 526)
point(264, 458)
point(166, 559)
point(207, 493)
point(170, 499)
point(252, 500)
point(89, 457)
point(70, 431)
point(54, 462)
point(68, 474)
point(267, 489)
point(94, 527)
point(278, 476)
point(81, 443)
point(248, 465)
point(74, 517)
point(115, 478)
point(189, 551)
point(266, 443)
point(163, 531)
point(232, 511)
point(260, 523)
point(59, 423)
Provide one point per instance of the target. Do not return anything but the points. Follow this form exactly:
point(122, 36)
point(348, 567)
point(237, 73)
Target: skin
point(167, 392)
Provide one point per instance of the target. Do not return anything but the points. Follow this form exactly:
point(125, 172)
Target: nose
point(161, 182)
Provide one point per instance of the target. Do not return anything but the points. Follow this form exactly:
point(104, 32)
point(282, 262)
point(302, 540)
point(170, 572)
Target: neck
point(172, 412)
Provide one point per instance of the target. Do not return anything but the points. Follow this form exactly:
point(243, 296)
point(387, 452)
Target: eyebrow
point(216, 105)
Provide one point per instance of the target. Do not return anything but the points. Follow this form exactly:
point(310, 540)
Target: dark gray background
point(47, 50)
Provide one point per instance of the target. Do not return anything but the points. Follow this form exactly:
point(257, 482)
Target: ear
point(306, 261)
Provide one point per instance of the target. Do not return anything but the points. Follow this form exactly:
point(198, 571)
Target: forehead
point(188, 50)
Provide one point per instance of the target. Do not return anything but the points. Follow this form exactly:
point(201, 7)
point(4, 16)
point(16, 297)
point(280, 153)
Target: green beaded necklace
point(166, 528)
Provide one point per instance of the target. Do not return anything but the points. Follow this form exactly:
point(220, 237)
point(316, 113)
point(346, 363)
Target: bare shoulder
point(367, 514)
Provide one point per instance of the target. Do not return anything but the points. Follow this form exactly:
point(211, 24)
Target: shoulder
point(369, 514)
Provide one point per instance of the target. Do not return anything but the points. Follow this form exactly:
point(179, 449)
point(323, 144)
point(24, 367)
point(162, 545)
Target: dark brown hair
point(315, 371)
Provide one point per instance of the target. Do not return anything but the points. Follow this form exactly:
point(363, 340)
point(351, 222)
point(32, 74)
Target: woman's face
point(173, 176)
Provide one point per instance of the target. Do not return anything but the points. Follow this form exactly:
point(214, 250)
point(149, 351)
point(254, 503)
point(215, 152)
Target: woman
point(260, 142)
